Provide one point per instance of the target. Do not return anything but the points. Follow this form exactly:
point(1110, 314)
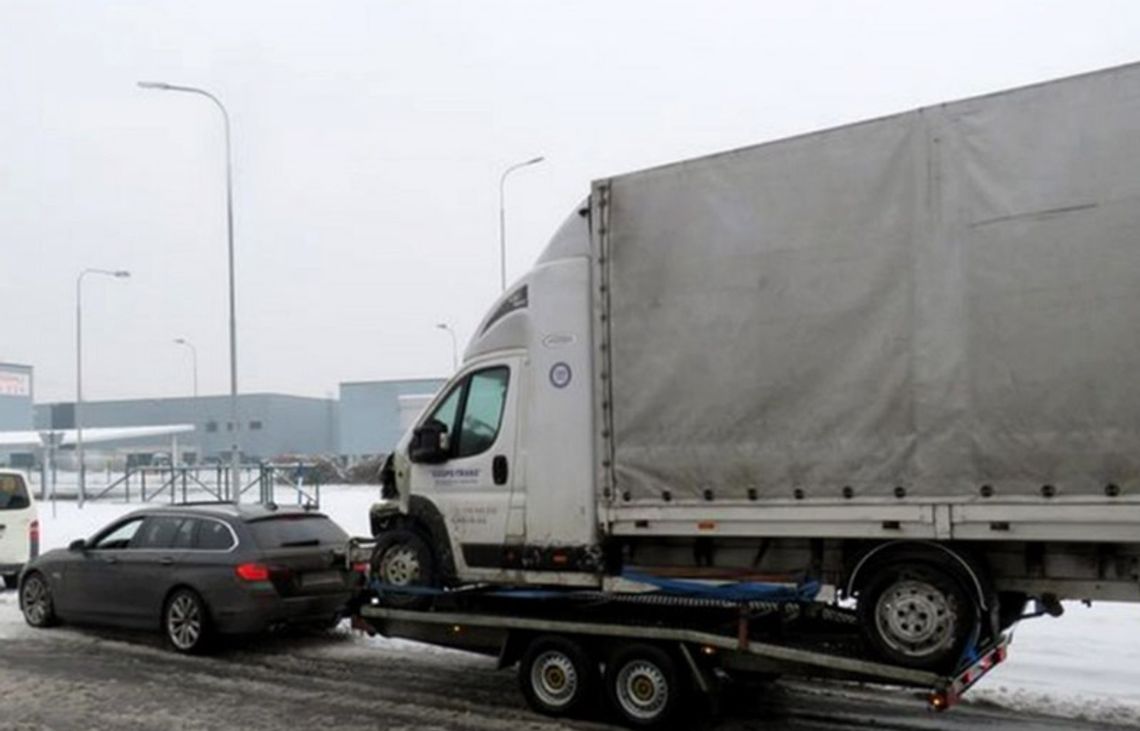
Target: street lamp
point(117, 274)
point(454, 345)
point(193, 360)
point(235, 453)
point(503, 219)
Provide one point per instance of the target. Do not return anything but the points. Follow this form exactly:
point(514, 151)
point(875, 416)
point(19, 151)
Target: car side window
point(184, 538)
point(118, 537)
point(157, 532)
point(213, 536)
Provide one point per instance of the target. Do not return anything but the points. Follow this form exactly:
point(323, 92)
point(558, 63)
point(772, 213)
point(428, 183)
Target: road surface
point(70, 678)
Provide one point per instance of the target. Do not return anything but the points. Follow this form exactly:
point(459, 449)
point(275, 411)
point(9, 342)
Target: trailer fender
point(968, 569)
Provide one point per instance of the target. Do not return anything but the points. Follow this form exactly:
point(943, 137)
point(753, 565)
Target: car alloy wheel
point(185, 621)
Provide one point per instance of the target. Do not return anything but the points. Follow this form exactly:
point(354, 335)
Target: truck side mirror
point(430, 443)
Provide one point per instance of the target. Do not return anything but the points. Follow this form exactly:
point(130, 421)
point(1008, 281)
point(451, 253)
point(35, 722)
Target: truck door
point(477, 487)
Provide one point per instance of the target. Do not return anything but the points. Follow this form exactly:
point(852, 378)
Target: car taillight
point(361, 568)
point(252, 572)
point(34, 538)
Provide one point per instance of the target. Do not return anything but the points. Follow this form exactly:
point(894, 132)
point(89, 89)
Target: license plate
point(321, 578)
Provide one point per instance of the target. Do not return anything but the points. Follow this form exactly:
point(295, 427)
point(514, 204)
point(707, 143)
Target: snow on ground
point(1083, 665)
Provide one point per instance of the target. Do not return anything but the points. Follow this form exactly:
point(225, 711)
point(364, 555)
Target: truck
point(897, 358)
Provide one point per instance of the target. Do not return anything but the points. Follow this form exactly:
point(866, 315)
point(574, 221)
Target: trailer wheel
point(557, 676)
point(402, 559)
point(917, 615)
point(644, 686)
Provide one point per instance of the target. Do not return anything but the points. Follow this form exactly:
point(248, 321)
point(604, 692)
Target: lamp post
point(117, 274)
point(235, 451)
point(193, 360)
point(454, 345)
point(503, 218)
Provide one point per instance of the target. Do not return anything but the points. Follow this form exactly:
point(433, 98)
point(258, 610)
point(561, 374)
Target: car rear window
point(13, 493)
point(289, 531)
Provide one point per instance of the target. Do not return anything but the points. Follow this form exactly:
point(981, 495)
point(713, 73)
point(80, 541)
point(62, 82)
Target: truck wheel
point(557, 676)
point(402, 559)
point(917, 615)
point(644, 687)
point(36, 601)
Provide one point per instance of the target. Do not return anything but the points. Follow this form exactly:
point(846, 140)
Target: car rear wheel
point(36, 601)
point(403, 561)
point(186, 622)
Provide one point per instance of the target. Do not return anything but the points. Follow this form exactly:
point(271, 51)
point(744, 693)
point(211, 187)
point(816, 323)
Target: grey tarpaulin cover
point(936, 300)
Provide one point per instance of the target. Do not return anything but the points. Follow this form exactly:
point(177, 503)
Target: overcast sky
point(368, 142)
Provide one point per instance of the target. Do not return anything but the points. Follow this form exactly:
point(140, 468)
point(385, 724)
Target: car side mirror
point(78, 544)
point(430, 443)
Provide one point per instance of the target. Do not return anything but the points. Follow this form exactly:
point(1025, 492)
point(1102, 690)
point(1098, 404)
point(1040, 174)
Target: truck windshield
point(13, 493)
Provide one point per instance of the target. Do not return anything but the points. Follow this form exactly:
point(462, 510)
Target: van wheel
point(186, 622)
point(644, 686)
point(917, 615)
point(36, 602)
point(557, 676)
point(402, 559)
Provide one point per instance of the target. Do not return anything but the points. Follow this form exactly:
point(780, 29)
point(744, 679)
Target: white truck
point(898, 357)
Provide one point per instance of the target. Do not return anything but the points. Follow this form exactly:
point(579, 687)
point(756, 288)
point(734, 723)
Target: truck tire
point(557, 676)
point(402, 558)
point(644, 686)
point(917, 615)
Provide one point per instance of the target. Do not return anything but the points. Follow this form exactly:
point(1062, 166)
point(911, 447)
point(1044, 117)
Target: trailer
point(654, 658)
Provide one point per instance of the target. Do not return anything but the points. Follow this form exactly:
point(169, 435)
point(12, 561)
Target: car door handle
point(499, 469)
point(109, 559)
point(166, 560)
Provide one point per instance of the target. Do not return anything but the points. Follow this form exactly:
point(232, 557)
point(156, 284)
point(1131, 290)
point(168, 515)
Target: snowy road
point(79, 679)
point(1084, 667)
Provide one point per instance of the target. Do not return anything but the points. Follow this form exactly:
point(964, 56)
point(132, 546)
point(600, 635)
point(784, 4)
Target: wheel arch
point(963, 563)
point(424, 518)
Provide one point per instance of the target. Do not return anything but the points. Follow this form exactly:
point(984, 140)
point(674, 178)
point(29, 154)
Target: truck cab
point(494, 481)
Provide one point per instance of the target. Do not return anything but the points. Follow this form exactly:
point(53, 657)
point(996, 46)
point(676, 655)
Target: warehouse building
point(16, 393)
point(271, 424)
point(373, 415)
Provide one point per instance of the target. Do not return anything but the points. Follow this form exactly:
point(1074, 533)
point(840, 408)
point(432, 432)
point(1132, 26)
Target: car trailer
point(647, 654)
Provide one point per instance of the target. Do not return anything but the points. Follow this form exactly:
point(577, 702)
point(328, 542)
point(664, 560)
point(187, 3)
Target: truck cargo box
point(926, 305)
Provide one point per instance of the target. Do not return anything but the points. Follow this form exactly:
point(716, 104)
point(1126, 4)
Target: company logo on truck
point(455, 476)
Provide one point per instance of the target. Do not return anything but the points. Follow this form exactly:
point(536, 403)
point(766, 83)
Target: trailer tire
point(645, 687)
point(557, 676)
point(918, 615)
point(402, 558)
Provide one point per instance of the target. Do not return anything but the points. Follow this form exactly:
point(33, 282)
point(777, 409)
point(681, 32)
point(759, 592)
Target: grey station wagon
point(196, 571)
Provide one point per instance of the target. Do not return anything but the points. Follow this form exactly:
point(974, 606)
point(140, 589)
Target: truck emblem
point(560, 375)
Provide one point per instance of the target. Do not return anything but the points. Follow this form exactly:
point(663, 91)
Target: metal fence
point(264, 483)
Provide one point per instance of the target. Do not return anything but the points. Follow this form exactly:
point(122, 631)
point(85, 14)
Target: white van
point(19, 526)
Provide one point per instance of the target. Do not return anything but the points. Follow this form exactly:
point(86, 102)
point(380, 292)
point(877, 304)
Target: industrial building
point(373, 415)
point(270, 424)
point(367, 420)
point(16, 394)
